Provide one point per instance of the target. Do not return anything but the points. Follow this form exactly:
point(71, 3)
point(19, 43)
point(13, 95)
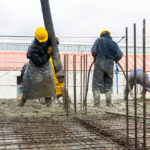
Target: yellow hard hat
point(104, 32)
point(41, 34)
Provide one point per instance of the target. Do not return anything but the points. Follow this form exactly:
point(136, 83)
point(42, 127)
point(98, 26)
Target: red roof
point(13, 61)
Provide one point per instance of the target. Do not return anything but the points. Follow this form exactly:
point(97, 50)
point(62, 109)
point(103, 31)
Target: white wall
point(8, 84)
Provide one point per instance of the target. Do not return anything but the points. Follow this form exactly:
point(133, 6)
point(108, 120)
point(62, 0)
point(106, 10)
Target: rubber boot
point(58, 101)
point(108, 98)
point(22, 101)
point(48, 101)
point(42, 100)
point(96, 97)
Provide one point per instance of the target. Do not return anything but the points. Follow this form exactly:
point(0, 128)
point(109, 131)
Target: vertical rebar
point(144, 90)
point(86, 66)
point(67, 101)
point(81, 83)
point(135, 98)
point(86, 85)
point(64, 102)
point(74, 79)
point(127, 89)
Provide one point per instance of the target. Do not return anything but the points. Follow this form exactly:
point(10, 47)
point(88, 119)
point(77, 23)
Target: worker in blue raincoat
point(37, 51)
point(139, 80)
point(37, 76)
point(104, 51)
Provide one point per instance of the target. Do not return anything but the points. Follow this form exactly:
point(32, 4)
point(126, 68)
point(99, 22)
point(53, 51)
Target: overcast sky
point(74, 17)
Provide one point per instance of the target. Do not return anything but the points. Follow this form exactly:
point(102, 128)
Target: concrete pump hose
point(87, 83)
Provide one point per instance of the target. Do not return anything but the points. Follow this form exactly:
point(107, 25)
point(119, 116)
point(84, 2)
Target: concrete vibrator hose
point(87, 84)
point(123, 74)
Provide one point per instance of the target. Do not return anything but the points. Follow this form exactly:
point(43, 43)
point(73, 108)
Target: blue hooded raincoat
point(105, 51)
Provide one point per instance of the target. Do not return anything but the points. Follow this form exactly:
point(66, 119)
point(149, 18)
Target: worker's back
point(107, 48)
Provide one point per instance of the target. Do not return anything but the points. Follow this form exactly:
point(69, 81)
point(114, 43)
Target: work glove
point(49, 51)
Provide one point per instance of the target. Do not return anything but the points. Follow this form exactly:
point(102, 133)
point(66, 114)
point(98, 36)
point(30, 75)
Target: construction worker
point(139, 80)
point(38, 52)
point(104, 51)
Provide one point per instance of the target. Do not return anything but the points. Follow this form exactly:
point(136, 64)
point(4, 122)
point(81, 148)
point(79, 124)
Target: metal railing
point(77, 47)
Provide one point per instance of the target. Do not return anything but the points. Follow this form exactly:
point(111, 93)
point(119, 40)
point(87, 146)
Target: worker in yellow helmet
point(39, 56)
point(104, 51)
point(37, 51)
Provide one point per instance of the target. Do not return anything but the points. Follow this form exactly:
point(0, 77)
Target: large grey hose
point(51, 34)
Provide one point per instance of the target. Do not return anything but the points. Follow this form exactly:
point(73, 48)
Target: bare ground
point(32, 108)
point(35, 118)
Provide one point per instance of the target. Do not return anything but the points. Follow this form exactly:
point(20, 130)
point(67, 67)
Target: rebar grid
point(114, 127)
point(52, 133)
